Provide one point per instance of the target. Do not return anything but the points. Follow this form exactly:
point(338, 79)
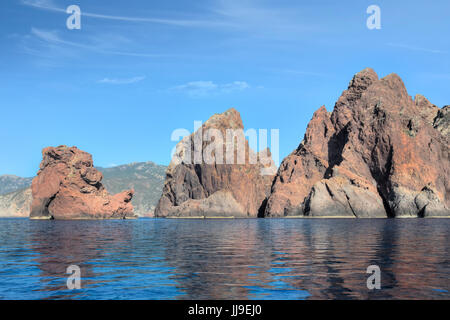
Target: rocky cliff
point(212, 174)
point(378, 154)
point(67, 186)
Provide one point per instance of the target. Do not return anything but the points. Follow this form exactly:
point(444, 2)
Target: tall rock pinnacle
point(379, 154)
point(201, 180)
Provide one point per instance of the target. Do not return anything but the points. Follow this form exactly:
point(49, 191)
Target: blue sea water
point(225, 259)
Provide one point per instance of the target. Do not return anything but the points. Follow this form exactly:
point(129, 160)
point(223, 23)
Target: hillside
point(146, 178)
point(16, 204)
point(10, 183)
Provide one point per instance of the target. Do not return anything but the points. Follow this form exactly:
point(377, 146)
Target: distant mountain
point(146, 178)
point(16, 204)
point(10, 183)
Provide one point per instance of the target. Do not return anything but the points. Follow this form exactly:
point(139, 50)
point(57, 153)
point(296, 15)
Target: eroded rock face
point(68, 187)
point(200, 177)
point(378, 154)
point(302, 168)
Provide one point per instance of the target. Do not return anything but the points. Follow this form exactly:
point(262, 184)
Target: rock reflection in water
point(225, 258)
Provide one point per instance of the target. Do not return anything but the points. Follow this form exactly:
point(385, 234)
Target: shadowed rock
point(442, 121)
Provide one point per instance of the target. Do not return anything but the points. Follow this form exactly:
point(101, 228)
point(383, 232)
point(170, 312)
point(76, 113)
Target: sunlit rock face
point(67, 186)
point(206, 178)
point(378, 154)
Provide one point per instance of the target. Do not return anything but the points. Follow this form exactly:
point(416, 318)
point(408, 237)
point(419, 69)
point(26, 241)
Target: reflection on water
point(225, 259)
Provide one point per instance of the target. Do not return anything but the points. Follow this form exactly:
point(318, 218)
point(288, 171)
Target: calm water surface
point(225, 259)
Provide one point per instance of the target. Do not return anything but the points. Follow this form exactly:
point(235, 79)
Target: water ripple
point(225, 259)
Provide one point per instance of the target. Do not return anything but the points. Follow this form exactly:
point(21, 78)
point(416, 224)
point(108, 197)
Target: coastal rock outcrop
point(145, 178)
point(67, 186)
point(378, 154)
point(215, 172)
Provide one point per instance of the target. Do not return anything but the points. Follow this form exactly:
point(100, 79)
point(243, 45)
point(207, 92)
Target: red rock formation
point(67, 186)
point(378, 154)
point(302, 168)
point(192, 187)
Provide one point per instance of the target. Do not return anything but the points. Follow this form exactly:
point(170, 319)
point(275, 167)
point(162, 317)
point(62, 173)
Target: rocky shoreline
point(378, 154)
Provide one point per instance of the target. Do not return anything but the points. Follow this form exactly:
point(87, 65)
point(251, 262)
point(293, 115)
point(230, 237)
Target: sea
point(277, 259)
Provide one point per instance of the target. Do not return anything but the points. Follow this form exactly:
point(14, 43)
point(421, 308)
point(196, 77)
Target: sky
point(137, 70)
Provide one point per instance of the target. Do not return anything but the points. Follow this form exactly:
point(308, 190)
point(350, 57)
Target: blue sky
point(137, 70)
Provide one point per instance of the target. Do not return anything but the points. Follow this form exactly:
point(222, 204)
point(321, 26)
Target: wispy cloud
point(97, 44)
point(248, 17)
point(50, 6)
point(414, 48)
point(263, 20)
point(204, 88)
point(122, 80)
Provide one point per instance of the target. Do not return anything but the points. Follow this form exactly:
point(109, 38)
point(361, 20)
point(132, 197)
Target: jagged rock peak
point(230, 119)
point(379, 147)
point(193, 180)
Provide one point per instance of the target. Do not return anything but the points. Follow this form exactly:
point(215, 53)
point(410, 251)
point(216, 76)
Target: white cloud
point(236, 85)
point(121, 81)
point(203, 88)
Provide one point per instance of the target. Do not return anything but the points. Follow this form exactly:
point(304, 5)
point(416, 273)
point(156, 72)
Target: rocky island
point(216, 187)
point(67, 186)
point(378, 154)
point(145, 178)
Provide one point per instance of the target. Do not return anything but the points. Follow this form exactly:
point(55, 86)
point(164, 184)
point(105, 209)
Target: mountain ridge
point(10, 183)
